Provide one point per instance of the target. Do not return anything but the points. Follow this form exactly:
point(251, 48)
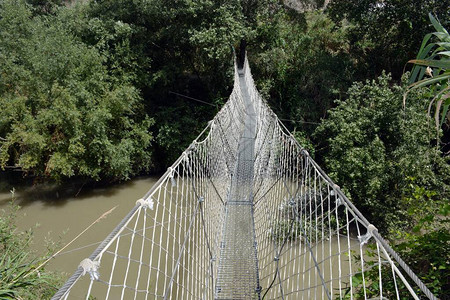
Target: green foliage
point(168, 46)
point(426, 249)
point(44, 7)
point(130, 53)
point(385, 34)
point(370, 279)
point(301, 63)
point(434, 57)
point(216, 33)
point(63, 113)
point(285, 230)
point(290, 225)
point(385, 158)
point(428, 256)
point(18, 277)
point(373, 148)
point(305, 142)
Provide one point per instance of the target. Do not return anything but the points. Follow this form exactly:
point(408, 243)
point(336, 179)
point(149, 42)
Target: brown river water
point(61, 213)
point(56, 214)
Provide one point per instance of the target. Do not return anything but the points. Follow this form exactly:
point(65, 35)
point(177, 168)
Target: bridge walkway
point(238, 265)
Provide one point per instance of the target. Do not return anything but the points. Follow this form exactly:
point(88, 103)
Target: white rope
point(323, 209)
point(308, 234)
point(90, 267)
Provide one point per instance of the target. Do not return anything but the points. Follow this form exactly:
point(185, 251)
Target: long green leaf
point(418, 71)
point(442, 36)
point(441, 98)
point(443, 64)
point(7, 294)
point(436, 24)
point(445, 53)
point(422, 46)
point(426, 50)
point(433, 55)
point(436, 114)
point(445, 45)
point(424, 82)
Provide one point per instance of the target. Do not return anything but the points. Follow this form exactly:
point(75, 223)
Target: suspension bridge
point(244, 213)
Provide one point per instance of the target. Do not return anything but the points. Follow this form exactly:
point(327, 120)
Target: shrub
point(19, 278)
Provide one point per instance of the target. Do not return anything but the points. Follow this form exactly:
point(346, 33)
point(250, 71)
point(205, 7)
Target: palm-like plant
point(433, 58)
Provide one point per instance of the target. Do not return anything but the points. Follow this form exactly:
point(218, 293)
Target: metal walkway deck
point(244, 206)
point(238, 265)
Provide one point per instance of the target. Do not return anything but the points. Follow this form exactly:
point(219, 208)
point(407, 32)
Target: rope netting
point(311, 242)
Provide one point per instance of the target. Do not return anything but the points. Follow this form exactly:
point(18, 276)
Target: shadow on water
point(29, 191)
point(60, 212)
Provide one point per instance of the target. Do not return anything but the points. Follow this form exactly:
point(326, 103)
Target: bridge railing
point(313, 243)
point(167, 246)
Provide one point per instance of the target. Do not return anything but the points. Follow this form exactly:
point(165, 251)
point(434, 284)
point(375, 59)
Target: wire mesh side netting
point(166, 247)
point(310, 241)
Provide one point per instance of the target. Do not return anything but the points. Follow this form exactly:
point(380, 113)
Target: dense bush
point(373, 147)
point(63, 113)
point(302, 64)
point(384, 35)
point(386, 159)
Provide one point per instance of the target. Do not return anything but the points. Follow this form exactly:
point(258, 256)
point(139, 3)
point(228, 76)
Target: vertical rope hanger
point(162, 249)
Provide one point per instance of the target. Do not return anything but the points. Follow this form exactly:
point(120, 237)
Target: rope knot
point(171, 176)
point(90, 267)
point(186, 156)
point(146, 203)
point(363, 239)
point(333, 192)
point(193, 145)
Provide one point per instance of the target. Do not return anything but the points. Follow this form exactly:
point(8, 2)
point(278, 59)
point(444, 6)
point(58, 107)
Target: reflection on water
point(61, 214)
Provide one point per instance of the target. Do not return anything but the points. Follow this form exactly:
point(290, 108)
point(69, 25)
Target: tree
point(63, 114)
point(384, 34)
point(43, 7)
point(373, 149)
point(182, 47)
point(301, 64)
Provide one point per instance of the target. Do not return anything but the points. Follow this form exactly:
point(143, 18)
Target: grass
point(18, 276)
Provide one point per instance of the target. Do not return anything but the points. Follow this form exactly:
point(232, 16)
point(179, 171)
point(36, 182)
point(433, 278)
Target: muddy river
point(60, 214)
